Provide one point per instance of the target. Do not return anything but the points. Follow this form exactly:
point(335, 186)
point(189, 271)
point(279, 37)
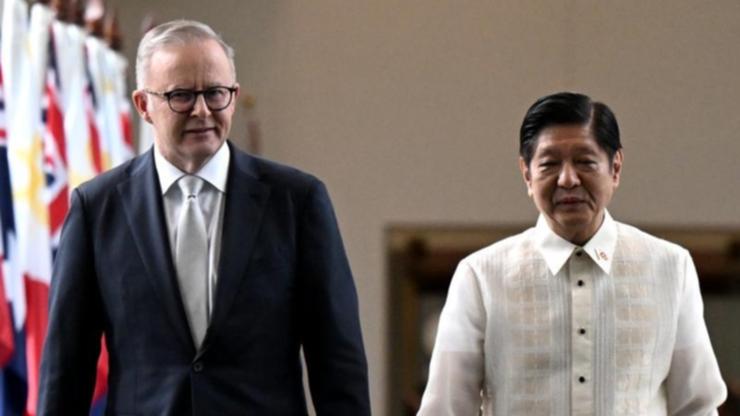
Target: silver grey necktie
point(191, 257)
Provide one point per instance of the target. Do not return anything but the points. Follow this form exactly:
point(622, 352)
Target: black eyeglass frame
point(168, 94)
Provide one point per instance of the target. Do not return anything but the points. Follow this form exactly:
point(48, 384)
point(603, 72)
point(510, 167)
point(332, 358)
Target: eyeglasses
point(183, 101)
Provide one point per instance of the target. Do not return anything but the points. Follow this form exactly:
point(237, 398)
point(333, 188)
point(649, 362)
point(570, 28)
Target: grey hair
point(175, 32)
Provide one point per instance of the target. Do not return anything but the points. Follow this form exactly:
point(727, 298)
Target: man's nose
point(568, 177)
point(200, 108)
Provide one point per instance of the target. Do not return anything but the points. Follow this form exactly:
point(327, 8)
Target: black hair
point(569, 108)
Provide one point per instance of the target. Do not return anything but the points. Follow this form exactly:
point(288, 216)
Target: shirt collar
point(556, 250)
point(215, 171)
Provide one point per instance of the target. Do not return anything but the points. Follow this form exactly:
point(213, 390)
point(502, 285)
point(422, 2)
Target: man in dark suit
point(205, 268)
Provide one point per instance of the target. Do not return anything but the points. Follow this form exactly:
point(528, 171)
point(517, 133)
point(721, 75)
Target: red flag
point(55, 149)
point(128, 137)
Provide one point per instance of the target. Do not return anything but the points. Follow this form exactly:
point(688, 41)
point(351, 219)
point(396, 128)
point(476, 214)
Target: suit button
point(198, 367)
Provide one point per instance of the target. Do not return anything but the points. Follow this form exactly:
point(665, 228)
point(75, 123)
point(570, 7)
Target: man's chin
point(199, 136)
point(203, 145)
point(573, 219)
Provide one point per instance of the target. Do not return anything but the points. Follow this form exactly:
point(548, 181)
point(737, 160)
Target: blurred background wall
point(409, 111)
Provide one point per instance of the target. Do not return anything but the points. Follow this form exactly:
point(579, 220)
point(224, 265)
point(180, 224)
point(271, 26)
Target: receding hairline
point(173, 34)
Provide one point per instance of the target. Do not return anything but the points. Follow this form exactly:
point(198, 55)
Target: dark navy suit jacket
point(283, 282)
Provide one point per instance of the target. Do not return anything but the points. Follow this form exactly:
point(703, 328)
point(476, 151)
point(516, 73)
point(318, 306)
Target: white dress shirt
point(211, 200)
point(535, 325)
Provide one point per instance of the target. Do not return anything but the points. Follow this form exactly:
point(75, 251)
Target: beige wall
point(409, 110)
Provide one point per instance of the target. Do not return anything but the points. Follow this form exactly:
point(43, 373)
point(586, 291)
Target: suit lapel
point(246, 199)
point(142, 202)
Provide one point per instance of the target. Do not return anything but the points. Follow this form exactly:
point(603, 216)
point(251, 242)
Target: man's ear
point(526, 175)
point(617, 167)
point(140, 99)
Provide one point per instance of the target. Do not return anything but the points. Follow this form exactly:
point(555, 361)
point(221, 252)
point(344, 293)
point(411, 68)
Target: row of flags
point(64, 117)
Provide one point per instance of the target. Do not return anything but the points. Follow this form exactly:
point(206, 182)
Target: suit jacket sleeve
point(75, 321)
point(331, 336)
